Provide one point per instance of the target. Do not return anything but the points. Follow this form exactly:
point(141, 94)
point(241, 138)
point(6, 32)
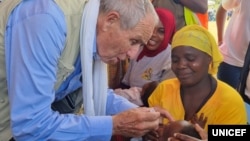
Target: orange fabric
point(203, 19)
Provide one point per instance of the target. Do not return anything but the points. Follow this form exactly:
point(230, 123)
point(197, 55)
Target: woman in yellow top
point(195, 91)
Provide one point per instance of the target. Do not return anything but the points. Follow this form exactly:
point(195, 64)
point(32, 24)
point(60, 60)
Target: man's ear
point(111, 19)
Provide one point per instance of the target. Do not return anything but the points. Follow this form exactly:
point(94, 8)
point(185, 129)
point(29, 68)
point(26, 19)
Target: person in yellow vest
point(186, 12)
point(50, 49)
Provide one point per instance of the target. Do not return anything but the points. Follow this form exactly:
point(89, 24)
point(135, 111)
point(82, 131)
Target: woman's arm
point(220, 23)
point(197, 6)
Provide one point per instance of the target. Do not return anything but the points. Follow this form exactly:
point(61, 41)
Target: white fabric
point(94, 73)
point(237, 35)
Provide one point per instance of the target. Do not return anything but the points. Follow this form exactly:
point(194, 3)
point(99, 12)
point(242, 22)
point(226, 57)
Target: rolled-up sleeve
point(116, 103)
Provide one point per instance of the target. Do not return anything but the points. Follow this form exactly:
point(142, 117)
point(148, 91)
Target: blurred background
point(212, 8)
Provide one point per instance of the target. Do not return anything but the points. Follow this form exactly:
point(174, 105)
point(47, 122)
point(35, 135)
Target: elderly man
point(51, 49)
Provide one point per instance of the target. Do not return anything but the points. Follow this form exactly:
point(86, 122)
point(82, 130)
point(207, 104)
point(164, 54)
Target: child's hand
point(201, 120)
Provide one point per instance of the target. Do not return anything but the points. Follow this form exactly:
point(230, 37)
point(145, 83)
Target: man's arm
point(221, 16)
point(117, 103)
point(220, 23)
point(197, 6)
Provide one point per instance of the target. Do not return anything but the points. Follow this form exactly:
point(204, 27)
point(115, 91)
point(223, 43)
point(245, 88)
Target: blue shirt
point(34, 40)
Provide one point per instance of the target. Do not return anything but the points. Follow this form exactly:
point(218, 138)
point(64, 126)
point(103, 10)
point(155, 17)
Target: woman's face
point(190, 65)
point(157, 37)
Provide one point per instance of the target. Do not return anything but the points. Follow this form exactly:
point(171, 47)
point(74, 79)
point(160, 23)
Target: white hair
point(131, 11)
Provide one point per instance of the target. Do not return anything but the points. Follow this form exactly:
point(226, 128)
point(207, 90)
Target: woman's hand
point(164, 113)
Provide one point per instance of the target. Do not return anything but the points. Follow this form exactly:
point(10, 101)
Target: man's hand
point(136, 122)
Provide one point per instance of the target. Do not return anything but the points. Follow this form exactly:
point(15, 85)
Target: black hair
point(150, 87)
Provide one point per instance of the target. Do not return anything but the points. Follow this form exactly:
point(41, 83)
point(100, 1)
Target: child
point(167, 130)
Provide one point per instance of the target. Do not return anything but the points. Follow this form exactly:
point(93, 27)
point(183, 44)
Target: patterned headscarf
point(198, 37)
point(168, 22)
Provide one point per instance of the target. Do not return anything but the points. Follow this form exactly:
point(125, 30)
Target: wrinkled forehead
point(144, 29)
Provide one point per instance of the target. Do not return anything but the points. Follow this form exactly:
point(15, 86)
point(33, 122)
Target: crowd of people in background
point(212, 14)
point(122, 70)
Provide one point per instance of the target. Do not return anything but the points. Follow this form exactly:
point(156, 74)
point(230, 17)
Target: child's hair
point(190, 130)
point(147, 90)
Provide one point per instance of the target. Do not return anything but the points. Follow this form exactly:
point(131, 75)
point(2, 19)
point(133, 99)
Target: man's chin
point(111, 62)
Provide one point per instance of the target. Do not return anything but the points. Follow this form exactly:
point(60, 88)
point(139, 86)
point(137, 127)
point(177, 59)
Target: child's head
point(179, 126)
point(147, 89)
